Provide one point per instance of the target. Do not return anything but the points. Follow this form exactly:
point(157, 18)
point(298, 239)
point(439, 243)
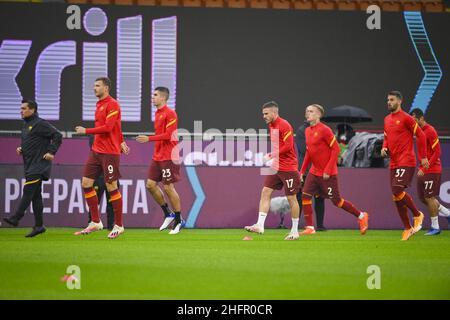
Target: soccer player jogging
point(104, 158)
point(39, 143)
point(165, 164)
point(429, 180)
point(399, 130)
point(322, 151)
point(285, 164)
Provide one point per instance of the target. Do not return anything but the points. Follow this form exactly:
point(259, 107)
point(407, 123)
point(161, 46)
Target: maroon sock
point(349, 207)
point(91, 198)
point(403, 213)
point(307, 209)
point(116, 201)
point(408, 201)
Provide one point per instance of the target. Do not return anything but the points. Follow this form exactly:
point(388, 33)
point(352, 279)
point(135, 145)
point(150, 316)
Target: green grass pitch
point(217, 264)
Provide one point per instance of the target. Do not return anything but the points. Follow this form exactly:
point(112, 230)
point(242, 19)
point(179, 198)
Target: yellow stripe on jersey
point(385, 133)
point(341, 203)
point(400, 197)
point(90, 194)
point(287, 135)
point(111, 114)
point(171, 123)
point(116, 197)
point(332, 141)
point(435, 144)
point(31, 182)
point(415, 128)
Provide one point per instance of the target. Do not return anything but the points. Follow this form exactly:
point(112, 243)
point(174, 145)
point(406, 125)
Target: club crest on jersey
point(397, 122)
point(316, 134)
point(161, 116)
point(30, 127)
point(101, 108)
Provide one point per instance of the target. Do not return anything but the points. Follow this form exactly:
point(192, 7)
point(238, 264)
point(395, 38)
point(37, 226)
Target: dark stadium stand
point(344, 5)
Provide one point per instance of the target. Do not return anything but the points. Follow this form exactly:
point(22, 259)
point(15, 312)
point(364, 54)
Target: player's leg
point(291, 183)
point(404, 178)
point(170, 172)
point(154, 176)
point(310, 188)
point(443, 211)
point(264, 206)
point(111, 174)
point(400, 179)
point(331, 188)
point(433, 209)
point(32, 184)
point(175, 203)
point(158, 196)
point(92, 170)
point(271, 182)
point(295, 214)
point(319, 208)
point(428, 187)
point(38, 209)
point(117, 204)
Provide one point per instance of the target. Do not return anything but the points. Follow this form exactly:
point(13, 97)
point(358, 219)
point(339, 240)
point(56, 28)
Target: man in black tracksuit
point(40, 141)
point(319, 203)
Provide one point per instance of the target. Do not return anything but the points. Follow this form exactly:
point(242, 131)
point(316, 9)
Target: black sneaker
point(12, 221)
point(36, 231)
point(321, 229)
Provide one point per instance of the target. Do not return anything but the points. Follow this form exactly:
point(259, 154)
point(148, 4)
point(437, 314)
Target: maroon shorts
point(166, 171)
point(428, 185)
point(102, 163)
point(402, 176)
point(289, 179)
point(318, 186)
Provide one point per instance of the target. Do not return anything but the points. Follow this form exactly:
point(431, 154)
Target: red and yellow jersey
point(399, 130)
point(283, 147)
point(166, 137)
point(108, 128)
point(322, 151)
point(433, 150)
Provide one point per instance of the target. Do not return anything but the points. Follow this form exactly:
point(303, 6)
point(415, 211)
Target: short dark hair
point(416, 112)
point(398, 94)
point(270, 104)
point(106, 81)
point(31, 104)
point(165, 91)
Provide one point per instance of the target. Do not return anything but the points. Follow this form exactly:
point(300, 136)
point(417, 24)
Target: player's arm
point(421, 141)
point(287, 141)
point(436, 147)
point(47, 130)
point(305, 164)
point(111, 118)
point(169, 134)
point(171, 127)
point(333, 145)
point(385, 147)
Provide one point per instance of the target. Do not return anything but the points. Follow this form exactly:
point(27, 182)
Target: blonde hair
point(319, 107)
